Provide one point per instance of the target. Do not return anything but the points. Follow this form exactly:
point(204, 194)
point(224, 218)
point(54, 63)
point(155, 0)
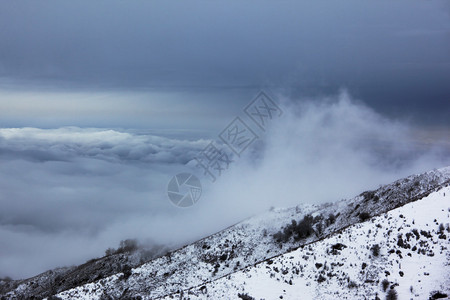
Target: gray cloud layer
point(160, 42)
point(62, 188)
point(395, 56)
point(69, 143)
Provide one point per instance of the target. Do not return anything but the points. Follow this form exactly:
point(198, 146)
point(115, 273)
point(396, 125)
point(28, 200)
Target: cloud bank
point(64, 187)
point(68, 143)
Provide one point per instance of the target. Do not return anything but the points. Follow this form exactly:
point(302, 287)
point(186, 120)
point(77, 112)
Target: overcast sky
point(200, 57)
point(102, 102)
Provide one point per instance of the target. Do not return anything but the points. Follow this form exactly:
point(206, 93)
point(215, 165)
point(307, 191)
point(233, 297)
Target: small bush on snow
point(375, 250)
point(364, 216)
point(391, 295)
point(245, 296)
point(385, 284)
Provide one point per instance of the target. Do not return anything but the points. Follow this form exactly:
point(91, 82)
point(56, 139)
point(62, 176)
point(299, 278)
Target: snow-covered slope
point(414, 257)
point(215, 266)
point(60, 279)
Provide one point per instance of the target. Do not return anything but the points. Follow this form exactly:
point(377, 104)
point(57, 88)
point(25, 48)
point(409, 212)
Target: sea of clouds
point(67, 194)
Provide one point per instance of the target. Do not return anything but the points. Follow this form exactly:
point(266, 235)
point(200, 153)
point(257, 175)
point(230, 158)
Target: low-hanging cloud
point(93, 187)
point(325, 150)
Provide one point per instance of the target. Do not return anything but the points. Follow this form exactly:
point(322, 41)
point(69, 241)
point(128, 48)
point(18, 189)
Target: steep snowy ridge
point(215, 266)
point(413, 258)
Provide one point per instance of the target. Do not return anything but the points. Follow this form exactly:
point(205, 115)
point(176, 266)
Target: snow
point(263, 282)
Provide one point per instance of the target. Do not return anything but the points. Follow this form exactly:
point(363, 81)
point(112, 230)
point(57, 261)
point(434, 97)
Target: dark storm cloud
point(391, 55)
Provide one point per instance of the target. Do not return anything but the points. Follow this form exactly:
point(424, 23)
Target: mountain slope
point(60, 279)
point(249, 244)
point(414, 258)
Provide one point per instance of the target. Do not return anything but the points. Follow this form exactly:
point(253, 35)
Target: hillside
point(60, 279)
point(247, 258)
point(413, 258)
